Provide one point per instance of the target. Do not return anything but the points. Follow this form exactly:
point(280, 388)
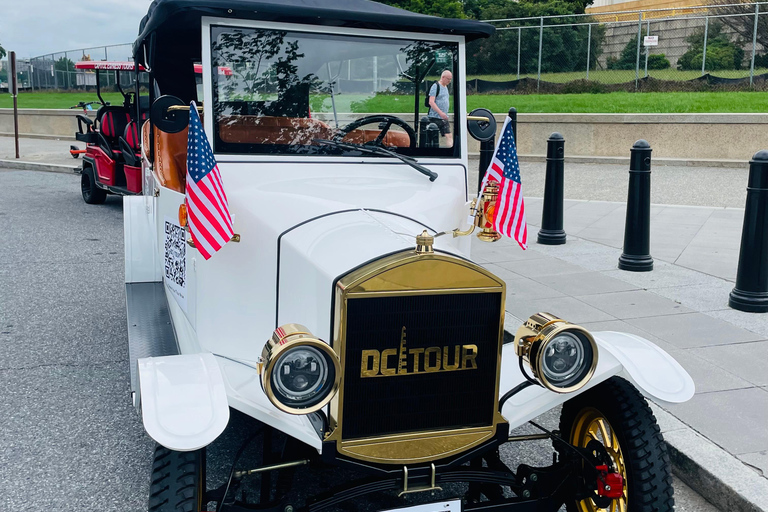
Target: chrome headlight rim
point(286, 340)
point(535, 336)
point(582, 375)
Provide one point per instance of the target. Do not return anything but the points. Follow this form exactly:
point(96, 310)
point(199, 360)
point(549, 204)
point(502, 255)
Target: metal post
point(647, 48)
point(589, 46)
point(14, 95)
point(754, 45)
point(513, 116)
point(704, 56)
point(551, 232)
point(751, 290)
point(639, 36)
point(541, 40)
point(519, 38)
point(375, 73)
point(637, 228)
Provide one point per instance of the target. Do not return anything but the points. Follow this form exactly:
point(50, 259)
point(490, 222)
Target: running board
point(150, 332)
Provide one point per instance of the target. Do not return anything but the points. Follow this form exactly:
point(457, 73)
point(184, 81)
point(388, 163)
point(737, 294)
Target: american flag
point(509, 217)
point(210, 223)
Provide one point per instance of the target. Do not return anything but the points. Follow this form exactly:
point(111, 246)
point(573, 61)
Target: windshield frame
point(459, 88)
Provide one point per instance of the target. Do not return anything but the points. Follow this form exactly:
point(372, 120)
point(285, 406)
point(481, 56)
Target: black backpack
point(437, 93)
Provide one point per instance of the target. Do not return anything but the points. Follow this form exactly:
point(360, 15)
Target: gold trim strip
point(403, 293)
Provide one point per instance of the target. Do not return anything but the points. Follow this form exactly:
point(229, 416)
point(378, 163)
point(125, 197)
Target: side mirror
point(166, 119)
point(481, 124)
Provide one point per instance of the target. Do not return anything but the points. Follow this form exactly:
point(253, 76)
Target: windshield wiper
point(378, 150)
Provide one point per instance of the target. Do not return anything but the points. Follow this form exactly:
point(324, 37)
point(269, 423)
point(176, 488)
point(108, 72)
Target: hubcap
point(591, 425)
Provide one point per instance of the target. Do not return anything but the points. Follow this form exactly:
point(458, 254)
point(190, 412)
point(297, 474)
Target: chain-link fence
point(716, 47)
point(56, 71)
point(697, 48)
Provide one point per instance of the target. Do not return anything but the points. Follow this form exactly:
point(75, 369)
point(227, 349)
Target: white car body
point(304, 222)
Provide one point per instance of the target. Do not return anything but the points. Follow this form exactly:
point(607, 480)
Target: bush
point(761, 61)
point(722, 53)
point(658, 61)
point(628, 57)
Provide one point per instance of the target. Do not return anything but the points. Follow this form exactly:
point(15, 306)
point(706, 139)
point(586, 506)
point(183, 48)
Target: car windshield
point(287, 90)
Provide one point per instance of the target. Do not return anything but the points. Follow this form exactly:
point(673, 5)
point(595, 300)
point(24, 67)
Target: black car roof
point(183, 16)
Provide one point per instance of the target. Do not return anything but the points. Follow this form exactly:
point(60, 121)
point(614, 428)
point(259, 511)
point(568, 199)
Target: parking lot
point(70, 439)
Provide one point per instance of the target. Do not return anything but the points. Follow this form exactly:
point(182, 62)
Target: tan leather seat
point(170, 164)
point(294, 130)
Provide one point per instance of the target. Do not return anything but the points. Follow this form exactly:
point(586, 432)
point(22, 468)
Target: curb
point(38, 166)
point(721, 478)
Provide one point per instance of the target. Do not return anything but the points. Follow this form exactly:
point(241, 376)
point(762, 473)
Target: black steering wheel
point(385, 123)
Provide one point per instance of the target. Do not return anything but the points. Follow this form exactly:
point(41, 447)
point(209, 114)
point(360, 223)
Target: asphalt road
point(69, 438)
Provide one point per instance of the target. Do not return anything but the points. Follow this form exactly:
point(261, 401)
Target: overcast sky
point(36, 27)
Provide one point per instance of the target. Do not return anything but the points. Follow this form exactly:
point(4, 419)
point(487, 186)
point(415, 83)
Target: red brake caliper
point(609, 485)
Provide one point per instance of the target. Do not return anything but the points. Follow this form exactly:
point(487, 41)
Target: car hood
point(292, 194)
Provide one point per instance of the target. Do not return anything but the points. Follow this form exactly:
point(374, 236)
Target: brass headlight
point(299, 372)
point(561, 355)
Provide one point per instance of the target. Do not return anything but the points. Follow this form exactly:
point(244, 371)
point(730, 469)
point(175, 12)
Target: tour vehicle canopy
point(176, 17)
point(169, 41)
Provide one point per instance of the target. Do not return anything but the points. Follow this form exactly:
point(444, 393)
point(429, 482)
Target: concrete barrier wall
point(678, 136)
point(717, 137)
point(42, 123)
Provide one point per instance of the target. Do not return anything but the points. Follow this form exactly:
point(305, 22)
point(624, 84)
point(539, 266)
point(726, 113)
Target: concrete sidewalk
point(682, 306)
point(39, 154)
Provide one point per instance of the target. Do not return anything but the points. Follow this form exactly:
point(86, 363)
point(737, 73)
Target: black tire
point(642, 447)
point(178, 481)
point(92, 194)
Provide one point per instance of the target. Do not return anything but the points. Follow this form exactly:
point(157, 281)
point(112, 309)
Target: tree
point(2, 52)
point(64, 64)
point(442, 8)
point(564, 48)
point(722, 53)
point(739, 16)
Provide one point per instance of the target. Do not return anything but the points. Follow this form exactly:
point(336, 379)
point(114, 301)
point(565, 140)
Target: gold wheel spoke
point(622, 505)
point(607, 438)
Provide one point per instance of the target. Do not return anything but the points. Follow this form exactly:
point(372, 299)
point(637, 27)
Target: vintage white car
point(346, 315)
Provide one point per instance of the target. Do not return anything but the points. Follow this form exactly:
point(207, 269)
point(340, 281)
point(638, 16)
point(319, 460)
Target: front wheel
point(617, 416)
point(178, 481)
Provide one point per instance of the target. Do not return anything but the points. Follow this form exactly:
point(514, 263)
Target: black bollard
point(432, 140)
point(637, 229)
point(751, 291)
point(487, 148)
point(551, 232)
point(513, 116)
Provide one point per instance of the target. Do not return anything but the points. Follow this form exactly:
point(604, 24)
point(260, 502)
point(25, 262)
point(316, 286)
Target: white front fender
point(183, 400)
point(654, 372)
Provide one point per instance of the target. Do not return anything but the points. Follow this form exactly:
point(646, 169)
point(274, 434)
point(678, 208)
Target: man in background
point(439, 103)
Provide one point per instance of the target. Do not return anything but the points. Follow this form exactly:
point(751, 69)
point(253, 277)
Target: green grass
point(627, 102)
point(617, 76)
point(57, 99)
point(616, 102)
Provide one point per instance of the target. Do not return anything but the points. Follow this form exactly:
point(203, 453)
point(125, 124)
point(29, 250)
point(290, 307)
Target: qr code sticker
point(175, 255)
